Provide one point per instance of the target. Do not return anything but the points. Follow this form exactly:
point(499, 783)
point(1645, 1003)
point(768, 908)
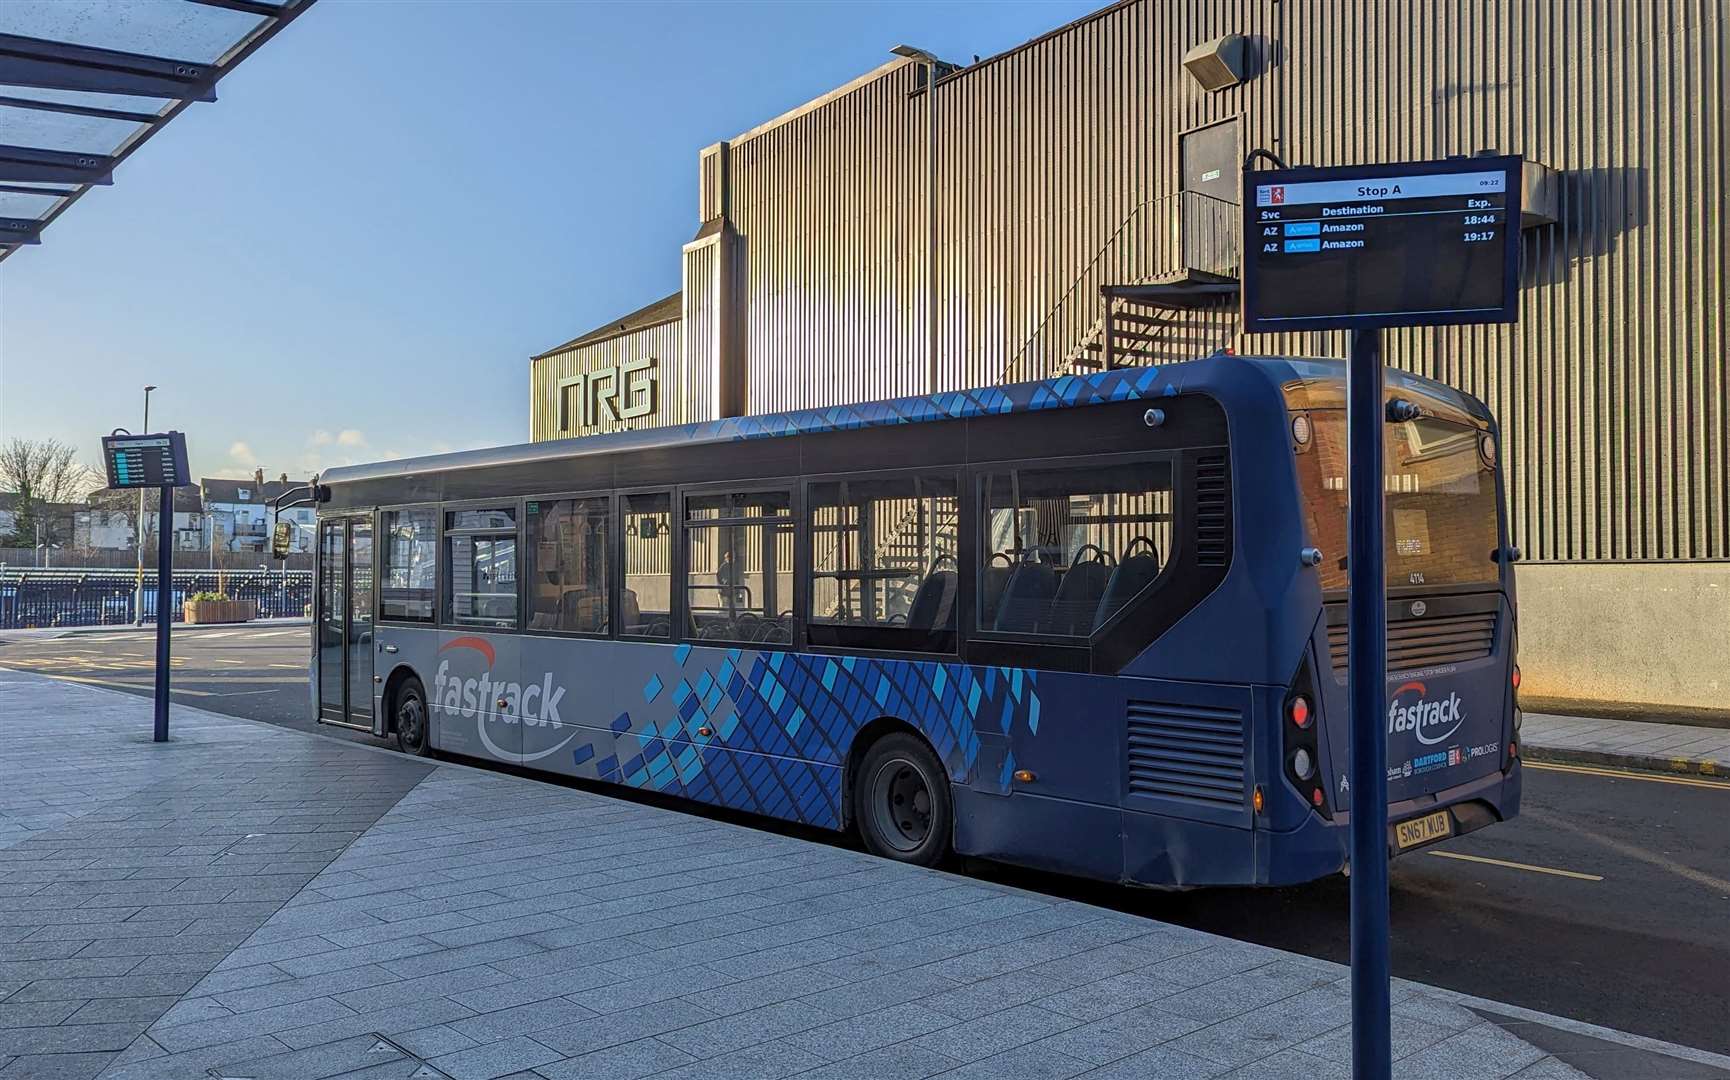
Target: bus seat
point(992, 578)
point(1128, 577)
point(1026, 598)
point(1077, 600)
point(583, 611)
point(934, 604)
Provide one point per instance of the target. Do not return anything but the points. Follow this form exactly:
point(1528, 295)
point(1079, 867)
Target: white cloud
point(350, 437)
point(320, 438)
point(241, 454)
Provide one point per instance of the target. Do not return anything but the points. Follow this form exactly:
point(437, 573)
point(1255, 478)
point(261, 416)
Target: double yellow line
point(1628, 774)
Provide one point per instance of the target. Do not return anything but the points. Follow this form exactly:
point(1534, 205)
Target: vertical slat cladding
point(1612, 391)
point(663, 342)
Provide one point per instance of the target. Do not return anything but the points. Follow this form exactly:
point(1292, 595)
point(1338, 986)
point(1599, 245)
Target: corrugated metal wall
point(674, 389)
point(830, 212)
point(1612, 389)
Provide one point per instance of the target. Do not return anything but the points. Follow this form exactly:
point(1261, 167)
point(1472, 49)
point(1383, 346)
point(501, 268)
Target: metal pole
point(1367, 670)
point(164, 600)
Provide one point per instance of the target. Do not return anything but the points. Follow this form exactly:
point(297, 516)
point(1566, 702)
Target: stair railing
point(1171, 234)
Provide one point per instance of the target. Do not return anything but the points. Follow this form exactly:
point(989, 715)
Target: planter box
point(220, 611)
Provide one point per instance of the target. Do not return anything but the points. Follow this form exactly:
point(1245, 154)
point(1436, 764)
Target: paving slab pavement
point(253, 902)
point(1635, 744)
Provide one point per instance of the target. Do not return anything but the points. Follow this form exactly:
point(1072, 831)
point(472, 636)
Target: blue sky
point(354, 252)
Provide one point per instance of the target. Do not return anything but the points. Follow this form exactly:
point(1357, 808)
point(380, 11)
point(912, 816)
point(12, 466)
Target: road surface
point(1608, 900)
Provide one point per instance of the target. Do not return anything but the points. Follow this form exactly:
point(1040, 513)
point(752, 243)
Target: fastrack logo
point(534, 705)
point(1431, 721)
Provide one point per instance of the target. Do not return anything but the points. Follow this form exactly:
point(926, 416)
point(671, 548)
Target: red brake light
point(1516, 677)
point(1316, 796)
point(1300, 711)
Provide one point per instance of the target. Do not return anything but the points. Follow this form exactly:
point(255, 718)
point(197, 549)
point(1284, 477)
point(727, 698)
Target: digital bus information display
point(145, 461)
point(1410, 244)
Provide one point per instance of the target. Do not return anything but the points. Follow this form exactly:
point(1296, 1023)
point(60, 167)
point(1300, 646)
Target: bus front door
point(345, 622)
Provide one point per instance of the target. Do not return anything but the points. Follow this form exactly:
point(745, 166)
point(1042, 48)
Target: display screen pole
point(1366, 663)
point(164, 605)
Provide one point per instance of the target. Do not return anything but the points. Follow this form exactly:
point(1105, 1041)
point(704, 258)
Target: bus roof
point(1210, 373)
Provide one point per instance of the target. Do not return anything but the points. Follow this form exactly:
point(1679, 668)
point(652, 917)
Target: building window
point(568, 558)
point(883, 570)
point(1064, 550)
point(646, 598)
point(481, 556)
point(410, 575)
point(739, 567)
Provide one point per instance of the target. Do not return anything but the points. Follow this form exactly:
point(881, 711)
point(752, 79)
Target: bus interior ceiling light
point(1218, 64)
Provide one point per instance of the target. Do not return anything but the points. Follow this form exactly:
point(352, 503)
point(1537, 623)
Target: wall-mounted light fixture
point(1216, 64)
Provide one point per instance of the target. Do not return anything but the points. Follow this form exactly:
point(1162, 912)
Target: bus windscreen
point(1440, 499)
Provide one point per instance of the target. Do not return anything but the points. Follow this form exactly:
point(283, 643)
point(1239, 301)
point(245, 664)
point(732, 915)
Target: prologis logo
point(1431, 721)
point(487, 699)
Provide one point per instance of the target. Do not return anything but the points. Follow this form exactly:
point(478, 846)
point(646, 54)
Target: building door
point(1209, 161)
point(345, 622)
point(1209, 164)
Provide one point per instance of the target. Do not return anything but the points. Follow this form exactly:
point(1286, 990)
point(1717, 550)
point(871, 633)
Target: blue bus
point(1093, 624)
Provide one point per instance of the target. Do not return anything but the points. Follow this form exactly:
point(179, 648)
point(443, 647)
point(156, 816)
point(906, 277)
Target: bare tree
point(43, 473)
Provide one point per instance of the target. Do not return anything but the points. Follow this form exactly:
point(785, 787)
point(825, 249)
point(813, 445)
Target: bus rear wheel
point(410, 718)
point(901, 802)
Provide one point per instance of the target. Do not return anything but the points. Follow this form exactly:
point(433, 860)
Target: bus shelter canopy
point(83, 84)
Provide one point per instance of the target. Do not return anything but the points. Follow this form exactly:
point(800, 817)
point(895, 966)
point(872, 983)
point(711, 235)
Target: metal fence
point(23, 558)
point(86, 597)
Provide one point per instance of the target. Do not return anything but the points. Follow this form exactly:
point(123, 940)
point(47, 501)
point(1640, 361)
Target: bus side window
point(646, 595)
point(1065, 549)
point(568, 546)
point(739, 567)
point(883, 569)
point(481, 554)
point(409, 582)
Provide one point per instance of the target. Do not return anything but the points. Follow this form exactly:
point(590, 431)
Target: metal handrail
point(1181, 231)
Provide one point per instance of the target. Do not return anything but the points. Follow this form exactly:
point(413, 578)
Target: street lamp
point(138, 589)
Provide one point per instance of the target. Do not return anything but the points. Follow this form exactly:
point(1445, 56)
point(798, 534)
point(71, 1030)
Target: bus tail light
point(1302, 753)
point(1258, 798)
point(1515, 677)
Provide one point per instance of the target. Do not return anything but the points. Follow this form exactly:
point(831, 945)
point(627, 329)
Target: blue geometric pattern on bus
point(1099, 387)
point(792, 717)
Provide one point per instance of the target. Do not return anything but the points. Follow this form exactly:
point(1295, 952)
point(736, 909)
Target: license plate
point(1436, 826)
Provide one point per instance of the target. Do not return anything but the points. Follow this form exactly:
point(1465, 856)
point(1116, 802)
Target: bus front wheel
point(901, 802)
point(411, 719)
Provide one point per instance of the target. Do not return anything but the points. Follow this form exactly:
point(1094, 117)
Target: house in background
point(106, 525)
point(56, 519)
point(239, 512)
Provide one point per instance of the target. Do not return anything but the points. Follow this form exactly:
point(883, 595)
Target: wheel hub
point(901, 805)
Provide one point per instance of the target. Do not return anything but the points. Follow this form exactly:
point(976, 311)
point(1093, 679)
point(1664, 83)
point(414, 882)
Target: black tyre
point(901, 802)
point(411, 719)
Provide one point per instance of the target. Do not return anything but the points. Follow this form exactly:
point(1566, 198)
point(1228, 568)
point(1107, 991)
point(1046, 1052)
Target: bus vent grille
point(1212, 510)
point(1189, 752)
point(1416, 643)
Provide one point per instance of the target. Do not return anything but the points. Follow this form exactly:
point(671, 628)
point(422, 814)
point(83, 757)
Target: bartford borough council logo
point(494, 701)
point(1410, 709)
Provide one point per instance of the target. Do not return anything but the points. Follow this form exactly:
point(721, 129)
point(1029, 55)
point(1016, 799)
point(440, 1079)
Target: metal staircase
point(1182, 242)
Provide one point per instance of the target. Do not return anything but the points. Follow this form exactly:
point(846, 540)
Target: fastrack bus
point(1094, 624)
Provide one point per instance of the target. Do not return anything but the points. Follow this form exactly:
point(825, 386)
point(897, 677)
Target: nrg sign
point(622, 392)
